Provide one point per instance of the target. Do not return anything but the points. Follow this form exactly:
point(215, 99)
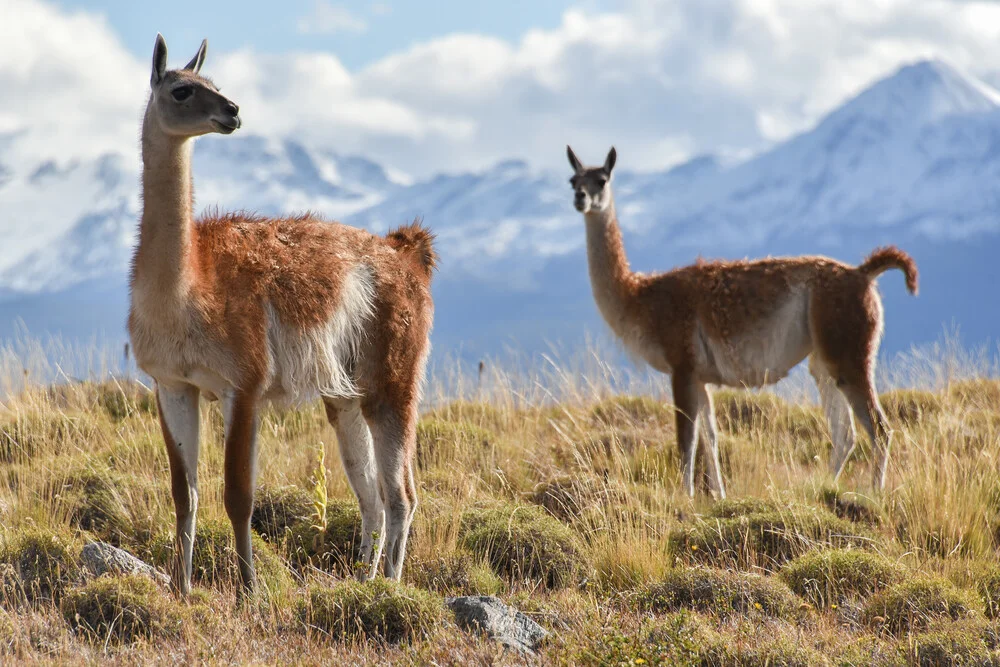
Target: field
point(557, 495)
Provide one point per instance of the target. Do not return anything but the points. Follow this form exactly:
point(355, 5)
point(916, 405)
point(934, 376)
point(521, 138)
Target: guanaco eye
point(182, 93)
point(602, 182)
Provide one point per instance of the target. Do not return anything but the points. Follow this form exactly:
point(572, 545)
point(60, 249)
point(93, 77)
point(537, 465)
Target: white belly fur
point(764, 355)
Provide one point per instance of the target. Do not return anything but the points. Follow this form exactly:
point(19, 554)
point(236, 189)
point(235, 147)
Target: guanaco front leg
point(178, 408)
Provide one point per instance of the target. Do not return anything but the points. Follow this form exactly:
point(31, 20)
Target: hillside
point(912, 160)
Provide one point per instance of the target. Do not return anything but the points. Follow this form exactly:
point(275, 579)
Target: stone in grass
point(506, 625)
point(102, 558)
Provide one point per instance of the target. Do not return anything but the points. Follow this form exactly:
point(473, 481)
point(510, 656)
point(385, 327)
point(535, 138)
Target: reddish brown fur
point(891, 257)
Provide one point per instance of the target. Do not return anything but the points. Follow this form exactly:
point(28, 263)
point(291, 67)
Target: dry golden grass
point(553, 493)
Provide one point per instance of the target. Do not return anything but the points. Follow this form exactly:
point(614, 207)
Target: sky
point(450, 85)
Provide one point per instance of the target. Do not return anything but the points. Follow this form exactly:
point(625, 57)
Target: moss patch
point(377, 610)
point(719, 592)
point(913, 604)
point(523, 542)
point(122, 610)
point(764, 539)
point(836, 575)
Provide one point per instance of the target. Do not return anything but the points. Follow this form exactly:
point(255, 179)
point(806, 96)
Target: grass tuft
point(459, 573)
point(524, 542)
point(914, 604)
point(122, 610)
point(719, 592)
point(831, 577)
point(46, 561)
point(379, 610)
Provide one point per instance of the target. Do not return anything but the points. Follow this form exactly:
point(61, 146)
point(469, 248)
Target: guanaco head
point(185, 103)
point(591, 185)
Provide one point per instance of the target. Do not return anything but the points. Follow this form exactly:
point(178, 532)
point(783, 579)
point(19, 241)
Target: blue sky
point(275, 26)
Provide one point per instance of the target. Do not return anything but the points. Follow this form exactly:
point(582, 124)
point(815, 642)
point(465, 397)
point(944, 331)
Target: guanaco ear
point(574, 161)
point(199, 58)
point(159, 60)
point(609, 163)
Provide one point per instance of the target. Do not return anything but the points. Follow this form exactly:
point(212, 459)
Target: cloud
point(328, 19)
point(662, 80)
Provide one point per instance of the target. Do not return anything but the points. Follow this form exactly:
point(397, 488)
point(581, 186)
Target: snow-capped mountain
point(913, 160)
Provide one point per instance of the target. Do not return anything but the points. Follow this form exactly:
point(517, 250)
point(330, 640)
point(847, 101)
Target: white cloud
point(328, 19)
point(662, 80)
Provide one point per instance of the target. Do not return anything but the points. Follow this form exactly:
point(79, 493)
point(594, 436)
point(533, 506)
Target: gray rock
point(101, 558)
point(486, 613)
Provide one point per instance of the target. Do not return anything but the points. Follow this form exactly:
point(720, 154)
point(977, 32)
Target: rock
point(100, 558)
point(505, 624)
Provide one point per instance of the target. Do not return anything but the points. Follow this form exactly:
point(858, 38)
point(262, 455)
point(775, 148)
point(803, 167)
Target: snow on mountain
point(914, 159)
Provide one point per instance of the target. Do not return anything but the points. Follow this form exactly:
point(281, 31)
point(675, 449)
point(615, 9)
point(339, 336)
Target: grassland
point(566, 506)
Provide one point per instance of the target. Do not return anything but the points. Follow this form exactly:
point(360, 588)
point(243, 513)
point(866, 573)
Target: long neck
point(610, 275)
point(164, 259)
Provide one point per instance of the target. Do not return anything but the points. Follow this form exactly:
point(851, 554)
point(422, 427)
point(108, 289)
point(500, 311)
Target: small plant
point(914, 604)
point(121, 610)
point(719, 592)
point(379, 610)
point(851, 506)
point(523, 542)
point(830, 577)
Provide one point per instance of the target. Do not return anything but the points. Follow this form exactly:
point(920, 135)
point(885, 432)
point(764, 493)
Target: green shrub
point(523, 542)
point(46, 561)
point(122, 610)
point(913, 604)
point(278, 510)
point(459, 573)
point(379, 610)
point(836, 575)
point(723, 593)
point(764, 539)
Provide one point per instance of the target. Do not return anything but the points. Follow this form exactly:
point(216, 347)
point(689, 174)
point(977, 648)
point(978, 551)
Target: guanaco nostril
point(233, 108)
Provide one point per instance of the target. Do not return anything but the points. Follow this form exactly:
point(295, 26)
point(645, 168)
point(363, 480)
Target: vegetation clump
point(763, 539)
point(121, 609)
point(851, 506)
point(379, 610)
point(723, 593)
point(630, 411)
point(833, 576)
point(459, 573)
point(567, 497)
point(909, 406)
point(914, 604)
point(215, 561)
point(524, 542)
point(279, 510)
point(333, 547)
point(439, 441)
point(46, 562)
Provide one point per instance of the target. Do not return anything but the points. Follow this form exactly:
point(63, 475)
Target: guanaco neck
point(610, 276)
point(163, 260)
